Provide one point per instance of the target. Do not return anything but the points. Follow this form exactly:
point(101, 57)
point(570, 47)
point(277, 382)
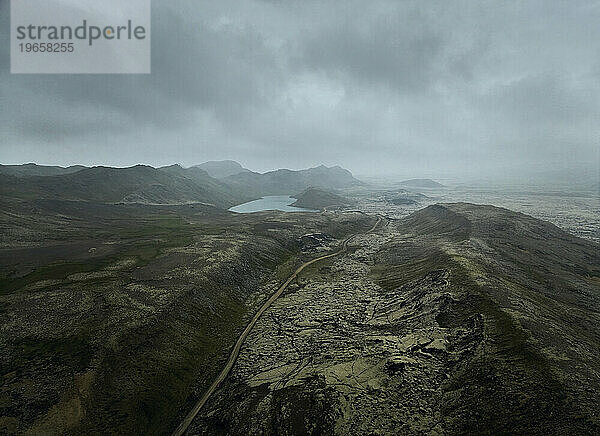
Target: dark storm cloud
point(436, 88)
point(398, 48)
point(194, 67)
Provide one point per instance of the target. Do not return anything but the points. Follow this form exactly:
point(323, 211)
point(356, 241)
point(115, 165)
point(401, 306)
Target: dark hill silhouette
point(315, 198)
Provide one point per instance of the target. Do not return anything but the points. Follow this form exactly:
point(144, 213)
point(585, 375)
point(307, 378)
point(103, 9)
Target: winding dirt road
point(238, 345)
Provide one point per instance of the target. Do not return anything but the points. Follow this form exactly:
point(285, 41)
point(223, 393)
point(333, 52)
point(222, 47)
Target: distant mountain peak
point(220, 169)
point(169, 167)
point(285, 181)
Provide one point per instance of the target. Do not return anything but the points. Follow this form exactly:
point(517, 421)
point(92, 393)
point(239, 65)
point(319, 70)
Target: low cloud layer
point(442, 89)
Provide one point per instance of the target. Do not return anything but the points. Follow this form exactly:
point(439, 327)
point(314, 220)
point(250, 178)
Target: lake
point(271, 202)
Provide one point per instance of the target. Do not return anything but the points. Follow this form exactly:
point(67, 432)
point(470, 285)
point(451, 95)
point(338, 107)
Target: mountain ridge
point(33, 169)
point(171, 184)
point(286, 181)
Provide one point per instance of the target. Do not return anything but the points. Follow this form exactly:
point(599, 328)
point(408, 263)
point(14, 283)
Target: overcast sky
point(441, 89)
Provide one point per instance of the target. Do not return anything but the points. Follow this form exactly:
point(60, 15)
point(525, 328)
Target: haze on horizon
point(438, 89)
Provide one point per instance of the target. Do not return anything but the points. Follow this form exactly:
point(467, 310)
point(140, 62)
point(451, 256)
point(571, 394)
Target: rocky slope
point(461, 319)
point(114, 316)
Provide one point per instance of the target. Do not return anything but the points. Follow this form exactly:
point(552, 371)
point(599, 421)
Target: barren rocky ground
point(458, 319)
point(123, 314)
point(434, 325)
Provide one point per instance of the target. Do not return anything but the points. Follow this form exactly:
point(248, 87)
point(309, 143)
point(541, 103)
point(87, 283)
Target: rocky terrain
point(123, 291)
point(574, 211)
point(460, 319)
point(404, 198)
point(114, 317)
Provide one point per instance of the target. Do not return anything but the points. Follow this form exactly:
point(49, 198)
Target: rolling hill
point(138, 184)
point(315, 198)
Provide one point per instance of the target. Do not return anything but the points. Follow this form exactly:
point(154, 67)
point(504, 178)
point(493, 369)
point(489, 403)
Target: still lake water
point(271, 202)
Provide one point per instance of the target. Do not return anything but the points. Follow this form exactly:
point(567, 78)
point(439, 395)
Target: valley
point(142, 306)
point(300, 218)
point(421, 329)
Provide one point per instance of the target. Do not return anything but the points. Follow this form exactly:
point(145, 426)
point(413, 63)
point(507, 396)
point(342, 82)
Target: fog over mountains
point(425, 89)
point(230, 183)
